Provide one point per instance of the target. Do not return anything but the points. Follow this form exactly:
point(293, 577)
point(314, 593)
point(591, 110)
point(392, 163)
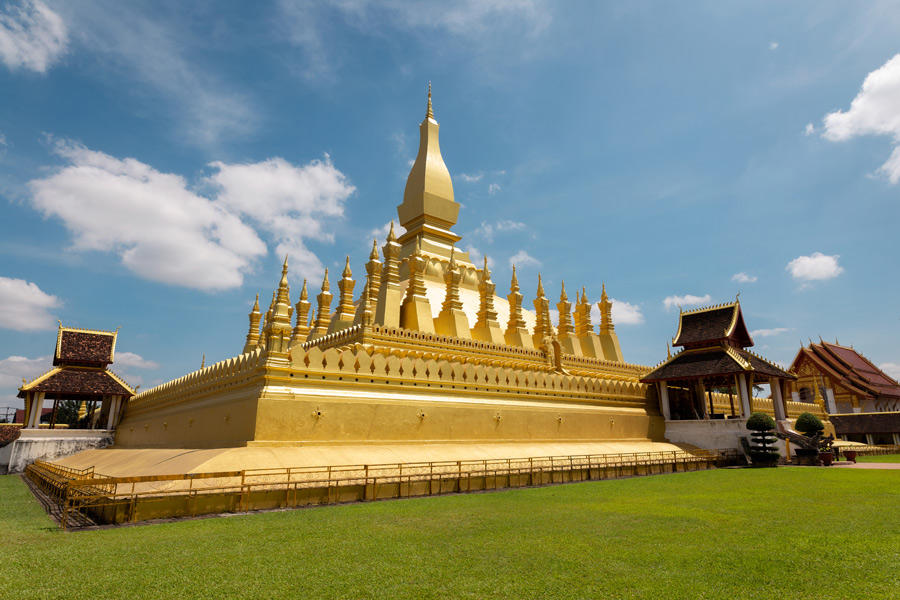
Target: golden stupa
point(426, 364)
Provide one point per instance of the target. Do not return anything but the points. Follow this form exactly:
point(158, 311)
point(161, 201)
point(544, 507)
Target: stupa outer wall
point(360, 395)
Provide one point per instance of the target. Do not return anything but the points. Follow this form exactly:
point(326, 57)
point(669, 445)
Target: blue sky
point(158, 159)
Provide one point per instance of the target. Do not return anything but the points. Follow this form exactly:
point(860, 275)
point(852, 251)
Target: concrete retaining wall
point(50, 444)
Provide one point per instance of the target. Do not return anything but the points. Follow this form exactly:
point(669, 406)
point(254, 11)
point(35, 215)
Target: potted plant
point(812, 427)
point(762, 453)
point(849, 455)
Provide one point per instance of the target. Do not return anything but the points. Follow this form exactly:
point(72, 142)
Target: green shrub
point(809, 424)
point(760, 422)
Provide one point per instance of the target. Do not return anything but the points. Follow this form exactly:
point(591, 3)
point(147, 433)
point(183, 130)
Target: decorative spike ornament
point(568, 341)
point(390, 294)
point(452, 319)
point(487, 327)
point(542, 325)
point(277, 331)
point(516, 331)
point(253, 334)
point(301, 326)
point(373, 284)
point(324, 309)
point(343, 316)
point(415, 312)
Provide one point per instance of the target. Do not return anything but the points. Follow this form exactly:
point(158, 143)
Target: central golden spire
point(429, 210)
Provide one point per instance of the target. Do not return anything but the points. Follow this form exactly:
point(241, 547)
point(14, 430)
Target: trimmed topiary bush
point(762, 453)
point(809, 424)
point(760, 422)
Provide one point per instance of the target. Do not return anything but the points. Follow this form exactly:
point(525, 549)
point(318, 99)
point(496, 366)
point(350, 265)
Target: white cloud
point(487, 230)
point(892, 370)
point(768, 332)
point(470, 178)
point(625, 313)
point(289, 202)
point(810, 129)
point(510, 226)
point(523, 259)
point(815, 267)
point(130, 359)
point(14, 368)
point(874, 111)
point(744, 278)
point(165, 231)
point(161, 230)
point(773, 46)
point(671, 302)
point(493, 188)
point(31, 36)
point(24, 307)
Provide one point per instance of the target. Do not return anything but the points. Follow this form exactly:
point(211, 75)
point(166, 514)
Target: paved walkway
point(866, 465)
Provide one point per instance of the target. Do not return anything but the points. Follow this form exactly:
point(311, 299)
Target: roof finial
point(452, 257)
point(373, 255)
point(391, 237)
point(203, 361)
point(429, 114)
point(284, 271)
point(347, 272)
point(540, 288)
point(486, 272)
point(514, 284)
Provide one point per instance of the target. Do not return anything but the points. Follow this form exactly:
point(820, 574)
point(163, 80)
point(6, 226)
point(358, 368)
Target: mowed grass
point(884, 458)
point(750, 533)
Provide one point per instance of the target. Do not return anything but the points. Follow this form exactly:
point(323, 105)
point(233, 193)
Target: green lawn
point(884, 458)
point(731, 533)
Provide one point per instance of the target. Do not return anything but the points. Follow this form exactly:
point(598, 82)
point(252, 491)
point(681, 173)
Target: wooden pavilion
point(79, 373)
point(714, 357)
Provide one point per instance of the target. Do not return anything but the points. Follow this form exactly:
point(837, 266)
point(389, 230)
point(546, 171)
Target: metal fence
point(85, 496)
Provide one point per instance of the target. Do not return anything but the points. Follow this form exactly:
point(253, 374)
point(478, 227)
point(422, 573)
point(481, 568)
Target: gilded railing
point(119, 499)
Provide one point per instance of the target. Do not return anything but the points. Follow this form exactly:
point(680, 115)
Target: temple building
point(712, 377)
point(80, 376)
point(79, 373)
point(422, 359)
point(842, 380)
point(862, 401)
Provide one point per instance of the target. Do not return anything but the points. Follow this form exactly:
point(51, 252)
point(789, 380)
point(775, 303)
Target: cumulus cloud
point(487, 230)
point(671, 302)
point(815, 267)
point(130, 359)
point(24, 306)
point(470, 178)
point(810, 129)
point(165, 231)
point(523, 259)
point(15, 368)
point(290, 203)
point(31, 36)
point(744, 278)
point(892, 370)
point(874, 111)
point(773, 45)
point(623, 313)
point(493, 188)
point(768, 332)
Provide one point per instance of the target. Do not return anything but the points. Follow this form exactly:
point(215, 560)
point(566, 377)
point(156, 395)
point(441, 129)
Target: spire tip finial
point(429, 114)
